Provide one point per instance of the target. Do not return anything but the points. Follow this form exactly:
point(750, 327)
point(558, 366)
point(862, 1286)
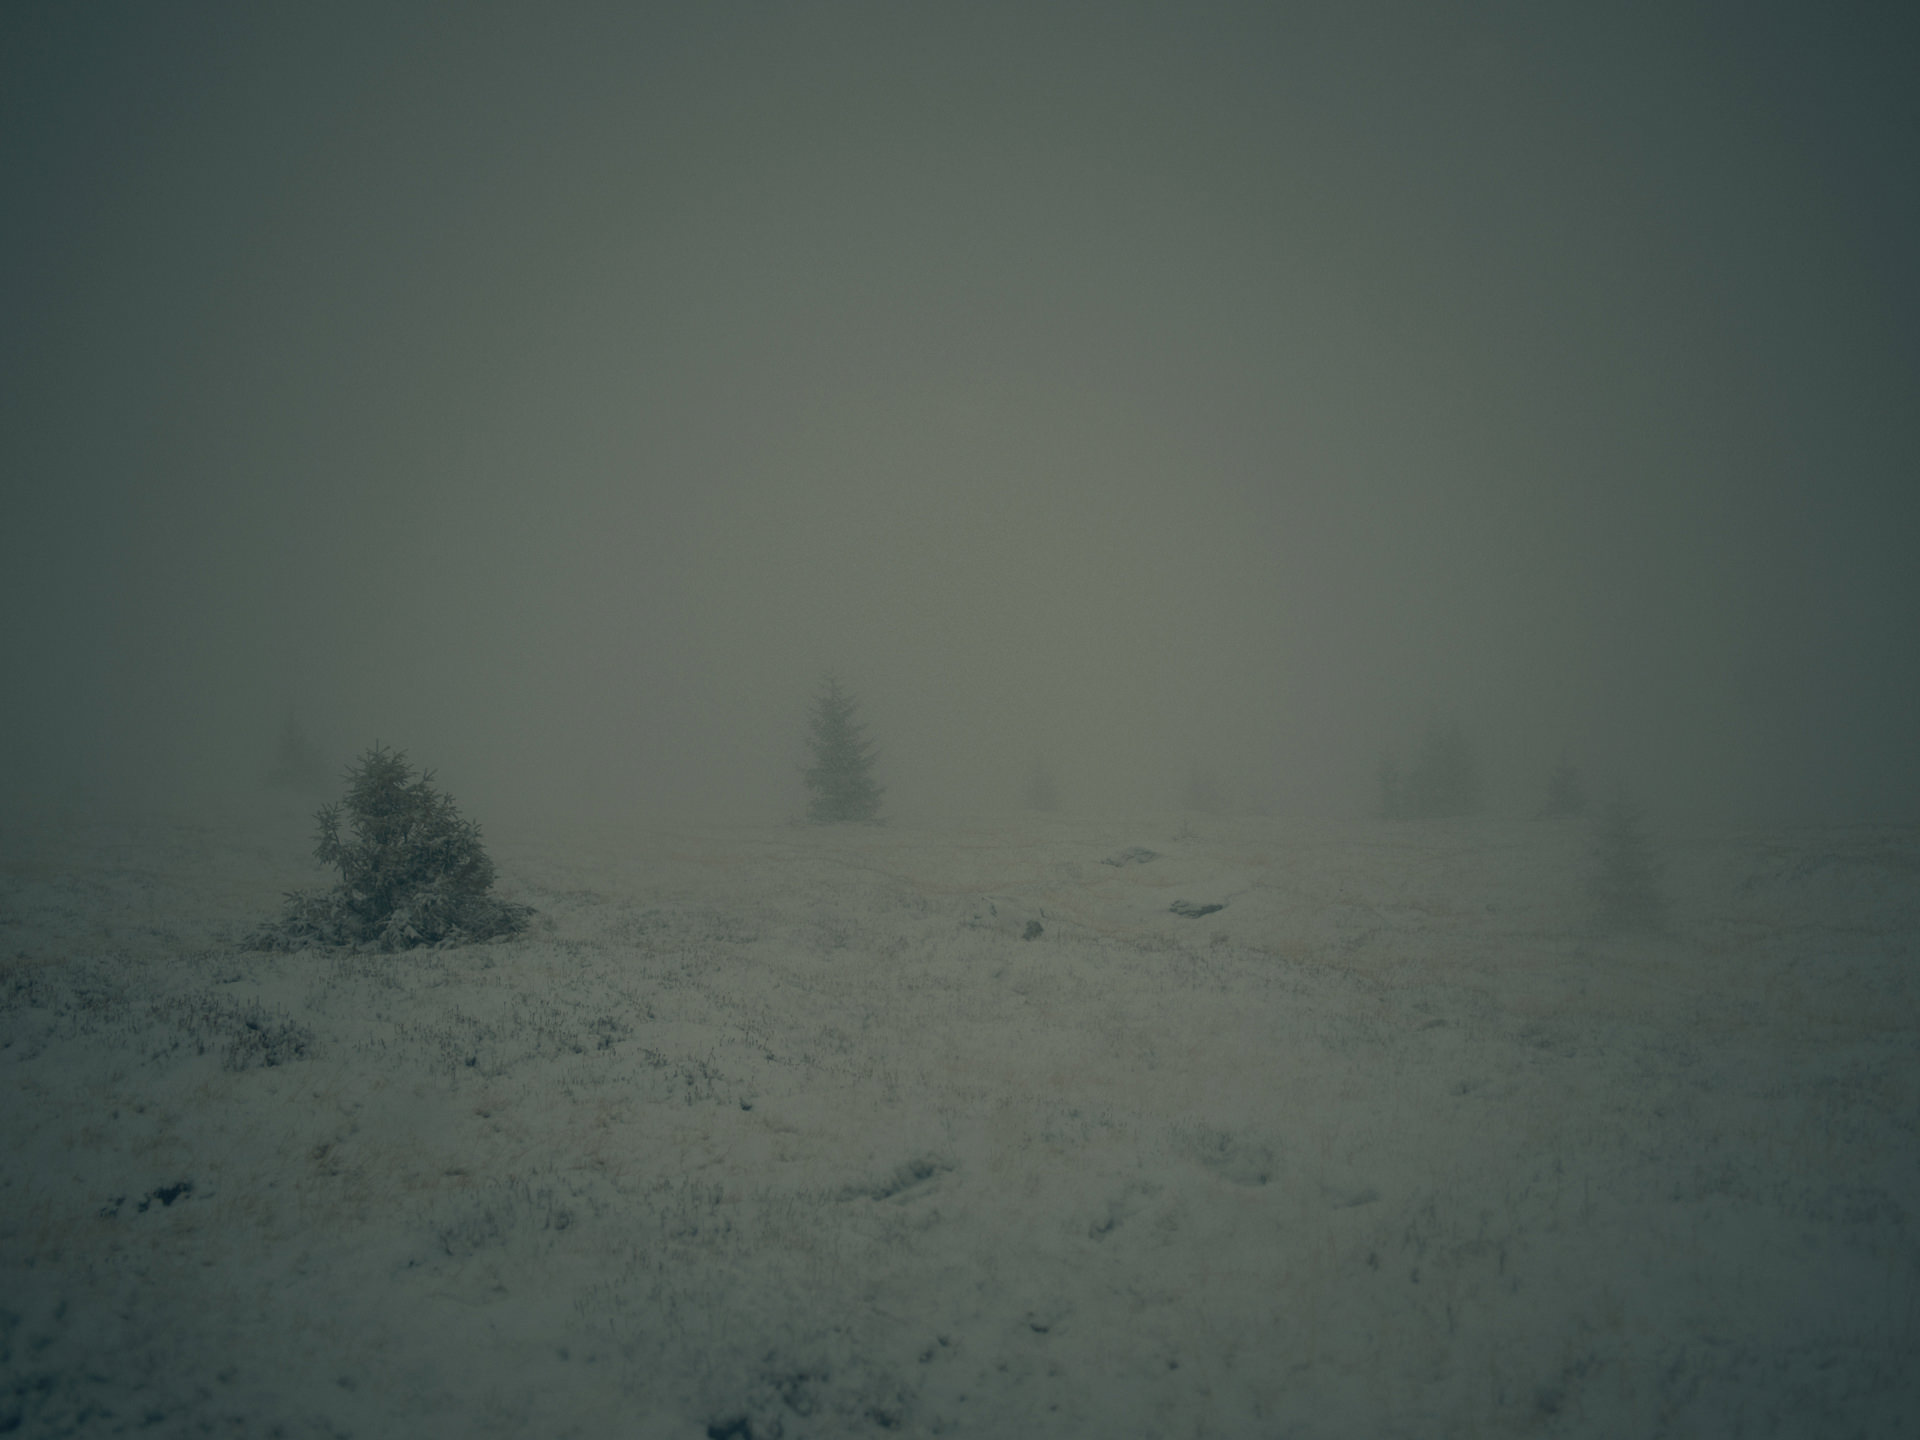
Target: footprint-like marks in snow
point(1233, 1158)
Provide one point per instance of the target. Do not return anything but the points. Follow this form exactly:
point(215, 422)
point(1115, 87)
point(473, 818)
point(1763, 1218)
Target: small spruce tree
point(412, 871)
point(1626, 880)
point(840, 775)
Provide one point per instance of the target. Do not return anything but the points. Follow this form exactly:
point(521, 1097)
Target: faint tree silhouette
point(1443, 780)
point(840, 775)
point(1626, 881)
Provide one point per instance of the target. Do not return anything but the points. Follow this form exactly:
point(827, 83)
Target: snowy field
point(787, 1132)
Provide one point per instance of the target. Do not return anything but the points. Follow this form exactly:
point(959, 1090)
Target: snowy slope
point(790, 1132)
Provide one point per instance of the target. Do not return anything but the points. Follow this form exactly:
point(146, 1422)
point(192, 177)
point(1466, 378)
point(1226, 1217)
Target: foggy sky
point(559, 396)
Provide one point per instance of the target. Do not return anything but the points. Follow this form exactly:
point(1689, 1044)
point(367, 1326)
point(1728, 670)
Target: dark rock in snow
point(1033, 930)
point(905, 1182)
point(1132, 855)
point(1192, 911)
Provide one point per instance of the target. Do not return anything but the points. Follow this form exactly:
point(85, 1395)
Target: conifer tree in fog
point(1393, 792)
point(840, 777)
point(1565, 794)
point(298, 764)
point(412, 870)
point(1042, 790)
point(1203, 789)
point(1444, 779)
point(1626, 880)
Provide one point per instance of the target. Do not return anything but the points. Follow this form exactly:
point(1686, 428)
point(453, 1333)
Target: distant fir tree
point(1042, 791)
point(1393, 793)
point(297, 762)
point(1203, 789)
point(1444, 779)
point(1626, 880)
point(1566, 795)
point(840, 777)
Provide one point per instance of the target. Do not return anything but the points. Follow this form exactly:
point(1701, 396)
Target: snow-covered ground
point(793, 1132)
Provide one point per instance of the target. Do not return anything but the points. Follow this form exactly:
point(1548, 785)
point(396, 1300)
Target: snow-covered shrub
point(412, 870)
point(841, 775)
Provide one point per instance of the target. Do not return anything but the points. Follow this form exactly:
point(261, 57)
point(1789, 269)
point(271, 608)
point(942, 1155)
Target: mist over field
point(1376, 544)
point(559, 395)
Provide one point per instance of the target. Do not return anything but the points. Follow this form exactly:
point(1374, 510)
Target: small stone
point(1192, 911)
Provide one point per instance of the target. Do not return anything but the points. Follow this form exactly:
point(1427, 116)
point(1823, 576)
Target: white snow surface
point(788, 1131)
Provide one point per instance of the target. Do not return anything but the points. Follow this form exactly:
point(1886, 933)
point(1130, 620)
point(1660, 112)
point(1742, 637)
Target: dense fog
point(1149, 393)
